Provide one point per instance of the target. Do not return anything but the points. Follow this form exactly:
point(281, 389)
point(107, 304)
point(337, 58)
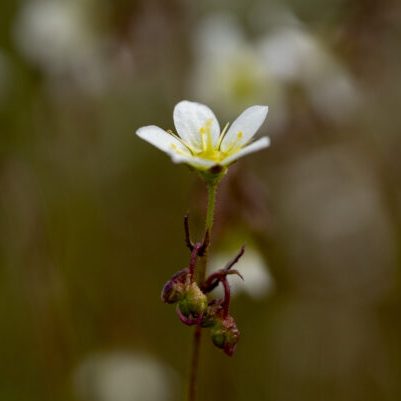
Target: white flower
point(53, 34)
point(296, 56)
point(200, 142)
point(229, 70)
point(124, 376)
point(61, 39)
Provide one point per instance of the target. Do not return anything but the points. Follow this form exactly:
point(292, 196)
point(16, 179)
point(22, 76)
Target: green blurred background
point(91, 216)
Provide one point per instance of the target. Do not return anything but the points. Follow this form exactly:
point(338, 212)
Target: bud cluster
point(194, 307)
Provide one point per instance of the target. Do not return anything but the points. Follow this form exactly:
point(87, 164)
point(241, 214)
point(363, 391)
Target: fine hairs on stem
point(196, 343)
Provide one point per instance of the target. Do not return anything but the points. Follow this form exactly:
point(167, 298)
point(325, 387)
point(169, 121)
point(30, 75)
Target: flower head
point(200, 142)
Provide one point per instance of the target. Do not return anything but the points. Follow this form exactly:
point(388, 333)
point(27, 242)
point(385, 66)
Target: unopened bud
point(225, 335)
point(174, 289)
point(213, 313)
point(193, 302)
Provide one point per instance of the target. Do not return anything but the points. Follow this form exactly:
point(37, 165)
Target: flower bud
point(193, 302)
point(225, 335)
point(213, 313)
point(172, 292)
point(174, 289)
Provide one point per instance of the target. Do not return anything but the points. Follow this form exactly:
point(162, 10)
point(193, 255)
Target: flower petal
point(253, 147)
point(244, 127)
point(190, 118)
point(162, 140)
point(197, 162)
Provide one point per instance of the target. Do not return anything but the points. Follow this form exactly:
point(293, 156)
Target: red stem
point(227, 296)
point(194, 363)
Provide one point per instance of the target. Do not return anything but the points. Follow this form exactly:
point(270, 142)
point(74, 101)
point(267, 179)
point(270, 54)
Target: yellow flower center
point(210, 152)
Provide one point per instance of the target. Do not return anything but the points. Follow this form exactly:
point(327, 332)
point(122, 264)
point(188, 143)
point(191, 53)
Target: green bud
point(174, 289)
point(193, 302)
point(212, 314)
point(225, 335)
point(172, 292)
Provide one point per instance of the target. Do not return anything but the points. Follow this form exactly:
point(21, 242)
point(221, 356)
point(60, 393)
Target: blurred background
point(91, 216)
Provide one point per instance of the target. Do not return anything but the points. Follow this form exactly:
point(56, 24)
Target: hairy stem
point(212, 191)
point(211, 204)
point(196, 344)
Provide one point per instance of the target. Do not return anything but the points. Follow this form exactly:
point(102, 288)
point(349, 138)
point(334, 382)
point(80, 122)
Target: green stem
point(211, 204)
point(196, 344)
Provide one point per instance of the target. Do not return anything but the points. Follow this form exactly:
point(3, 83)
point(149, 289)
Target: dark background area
point(91, 216)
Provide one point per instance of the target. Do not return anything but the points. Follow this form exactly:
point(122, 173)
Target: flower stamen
point(234, 145)
point(174, 147)
point(222, 135)
point(206, 135)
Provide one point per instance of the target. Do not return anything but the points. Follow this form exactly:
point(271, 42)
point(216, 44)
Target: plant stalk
point(196, 343)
